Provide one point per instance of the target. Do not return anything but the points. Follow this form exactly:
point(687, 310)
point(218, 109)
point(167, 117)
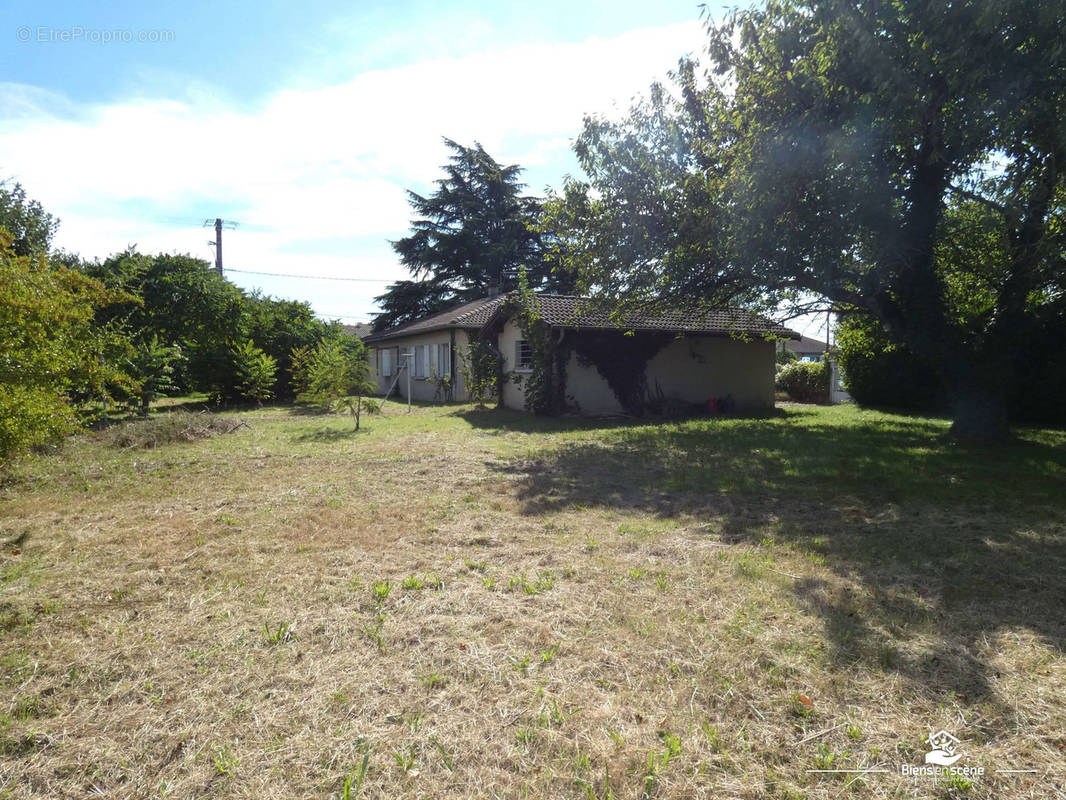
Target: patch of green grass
point(412, 582)
point(278, 634)
point(380, 591)
point(353, 782)
point(405, 760)
point(544, 581)
point(434, 680)
point(223, 759)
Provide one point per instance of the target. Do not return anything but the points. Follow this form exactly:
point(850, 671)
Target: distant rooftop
point(360, 329)
point(805, 345)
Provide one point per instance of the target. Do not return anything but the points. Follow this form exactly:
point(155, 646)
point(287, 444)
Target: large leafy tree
point(183, 302)
point(51, 352)
point(279, 327)
point(30, 226)
point(903, 159)
point(473, 232)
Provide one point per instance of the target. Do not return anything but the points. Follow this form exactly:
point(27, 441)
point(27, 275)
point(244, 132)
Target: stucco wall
point(587, 388)
point(698, 367)
point(513, 393)
point(421, 389)
point(691, 369)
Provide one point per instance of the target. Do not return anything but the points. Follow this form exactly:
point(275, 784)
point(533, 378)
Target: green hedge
point(805, 381)
point(882, 373)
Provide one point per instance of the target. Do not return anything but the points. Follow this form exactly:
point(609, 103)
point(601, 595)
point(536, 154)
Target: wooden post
point(218, 244)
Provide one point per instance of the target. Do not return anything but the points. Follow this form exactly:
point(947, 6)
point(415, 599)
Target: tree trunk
point(979, 415)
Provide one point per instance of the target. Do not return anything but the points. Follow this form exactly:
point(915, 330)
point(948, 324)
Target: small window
point(523, 356)
point(420, 362)
point(444, 360)
point(386, 362)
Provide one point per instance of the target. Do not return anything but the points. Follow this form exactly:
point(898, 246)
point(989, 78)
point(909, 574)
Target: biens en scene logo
point(941, 758)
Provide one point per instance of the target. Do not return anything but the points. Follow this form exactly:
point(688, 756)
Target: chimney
point(494, 289)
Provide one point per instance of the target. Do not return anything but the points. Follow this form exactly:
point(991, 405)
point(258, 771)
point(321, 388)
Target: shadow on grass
point(950, 541)
point(504, 420)
point(329, 435)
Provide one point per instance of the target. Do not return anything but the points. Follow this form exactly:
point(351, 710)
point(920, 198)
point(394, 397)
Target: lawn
point(464, 603)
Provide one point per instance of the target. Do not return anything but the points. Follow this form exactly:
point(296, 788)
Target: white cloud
point(314, 163)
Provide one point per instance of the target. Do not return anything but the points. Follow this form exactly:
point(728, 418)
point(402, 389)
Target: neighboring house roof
point(568, 311)
point(360, 329)
point(806, 345)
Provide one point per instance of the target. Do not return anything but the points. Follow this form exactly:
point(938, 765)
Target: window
point(431, 361)
point(523, 356)
point(385, 359)
point(420, 362)
point(444, 360)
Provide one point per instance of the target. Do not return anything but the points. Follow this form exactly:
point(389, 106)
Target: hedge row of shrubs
point(805, 381)
point(883, 373)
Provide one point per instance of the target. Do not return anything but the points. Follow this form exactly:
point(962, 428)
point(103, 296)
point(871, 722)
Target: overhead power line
point(310, 277)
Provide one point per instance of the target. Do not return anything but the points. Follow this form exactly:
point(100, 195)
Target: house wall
point(422, 389)
point(587, 388)
point(691, 369)
point(513, 393)
point(696, 368)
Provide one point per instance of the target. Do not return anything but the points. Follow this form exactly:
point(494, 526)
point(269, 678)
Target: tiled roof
point(567, 311)
point(579, 312)
point(469, 315)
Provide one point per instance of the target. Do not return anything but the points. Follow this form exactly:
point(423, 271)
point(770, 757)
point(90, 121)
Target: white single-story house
point(709, 359)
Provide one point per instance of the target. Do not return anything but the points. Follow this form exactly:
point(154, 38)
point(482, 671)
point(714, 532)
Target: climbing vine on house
point(545, 385)
point(621, 357)
point(480, 366)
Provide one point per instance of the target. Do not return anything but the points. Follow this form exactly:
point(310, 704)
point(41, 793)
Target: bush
point(32, 417)
point(884, 373)
point(805, 381)
point(255, 372)
point(50, 349)
point(151, 368)
point(336, 376)
point(880, 372)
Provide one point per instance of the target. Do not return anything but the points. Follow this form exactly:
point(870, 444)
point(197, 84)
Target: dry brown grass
point(667, 612)
point(178, 426)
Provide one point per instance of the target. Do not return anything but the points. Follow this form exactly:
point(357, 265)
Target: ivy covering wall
point(621, 358)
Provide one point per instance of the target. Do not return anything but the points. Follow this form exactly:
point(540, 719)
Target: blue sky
point(305, 122)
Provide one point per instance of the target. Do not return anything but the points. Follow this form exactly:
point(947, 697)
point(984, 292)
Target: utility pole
point(219, 225)
point(218, 244)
